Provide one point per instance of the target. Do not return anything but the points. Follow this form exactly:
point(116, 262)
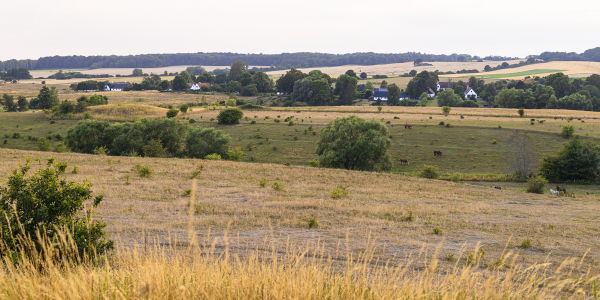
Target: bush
point(60, 147)
point(262, 183)
point(437, 230)
point(172, 113)
point(43, 144)
point(447, 125)
point(235, 155)
point(536, 185)
point(231, 102)
point(16, 135)
point(183, 108)
point(430, 172)
point(201, 142)
point(455, 178)
point(277, 186)
point(494, 142)
point(312, 223)
point(339, 192)
point(526, 243)
point(192, 121)
point(521, 112)
point(446, 110)
point(577, 160)
point(442, 123)
point(41, 190)
point(154, 148)
point(230, 116)
point(567, 131)
point(87, 115)
point(213, 156)
point(314, 163)
point(142, 171)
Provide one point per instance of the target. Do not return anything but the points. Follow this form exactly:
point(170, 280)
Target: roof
point(191, 84)
point(468, 90)
point(444, 85)
point(204, 84)
point(118, 85)
point(430, 91)
point(361, 88)
point(403, 95)
point(380, 93)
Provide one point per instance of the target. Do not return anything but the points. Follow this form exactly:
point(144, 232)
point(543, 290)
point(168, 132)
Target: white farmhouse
point(443, 86)
point(116, 86)
point(470, 93)
point(193, 86)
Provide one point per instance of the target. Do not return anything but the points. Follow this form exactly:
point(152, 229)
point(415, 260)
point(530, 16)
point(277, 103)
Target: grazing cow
point(553, 192)
point(498, 187)
point(437, 153)
point(403, 160)
point(559, 189)
point(407, 126)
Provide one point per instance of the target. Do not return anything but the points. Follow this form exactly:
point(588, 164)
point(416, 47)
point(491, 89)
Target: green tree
point(285, 83)
point(417, 61)
point(197, 70)
point(234, 86)
point(561, 84)
point(345, 88)
point(88, 135)
point(22, 103)
point(183, 108)
point(351, 73)
point(355, 144)
point(363, 75)
point(593, 80)
point(577, 160)
point(264, 84)
point(8, 103)
point(250, 90)
point(137, 72)
point(543, 94)
point(412, 73)
point(246, 78)
point(424, 97)
point(97, 100)
point(515, 98)
point(46, 203)
point(574, 102)
point(230, 116)
point(447, 97)
point(567, 131)
point(48, 98)
point(369, 86)
point(383, 84)
point(322, 94)
point(446, 110)
point(180, 83)
point(201, 142)
point(422, 83)
point(393, 95)
point(237, 68)
point(302, 90)
point(154, 148)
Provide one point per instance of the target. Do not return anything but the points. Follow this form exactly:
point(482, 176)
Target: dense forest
point(280, 61)
point(588, 55)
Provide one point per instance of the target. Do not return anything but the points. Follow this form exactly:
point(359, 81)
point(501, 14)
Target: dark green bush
point(230, 116)
point(430, 172)
point(172, 113)
point(201, 142)
point(536, 184)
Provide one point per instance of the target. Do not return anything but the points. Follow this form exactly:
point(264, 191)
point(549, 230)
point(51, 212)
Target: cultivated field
point(571, 68)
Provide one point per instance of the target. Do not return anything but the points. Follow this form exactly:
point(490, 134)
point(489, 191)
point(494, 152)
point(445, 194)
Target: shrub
point(192, 121)
point(446, 110)
point(500, 127)
point(183, 108)
point(43, 144)
point(142, 171)
point(198, 172)
point(276, 120)
point(442, 123)
point(567, 131)
point(213, 156)
point(291, 123)
point(536, 184)
point(235, 155)
point(262, 183)
point(87, 115)
point(339, 192)
point(277, 186)
point(448, 125)
point(437, 230)
point(100, 150)
point(41, 190)
point(410, 216)
point(494, 142)
point(201, 142)
point(314, 163)
point(295, 138)
point(230, 116)
point(526, 243)
point(154, 149)
point(521, 112)
point(455, 178)
point(186, 193)
point(430, 172)
point(172, 113)
point(379, 108)
point(16, 135)
point(253, 122)
point(274, 148)
point(312, 223)
point(60, 147)
point(231, 102)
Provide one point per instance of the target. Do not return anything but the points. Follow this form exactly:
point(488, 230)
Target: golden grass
point(572, 68)
point(373, 215)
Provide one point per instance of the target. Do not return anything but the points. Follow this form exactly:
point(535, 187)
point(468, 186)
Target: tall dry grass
point(198, 271)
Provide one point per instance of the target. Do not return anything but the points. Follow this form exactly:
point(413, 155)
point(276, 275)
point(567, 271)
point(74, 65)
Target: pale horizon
point(68, 27)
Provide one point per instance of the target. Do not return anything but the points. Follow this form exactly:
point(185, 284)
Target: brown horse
point(407, 126)
point(436, 153)
point(403, 160)
point(558, 188)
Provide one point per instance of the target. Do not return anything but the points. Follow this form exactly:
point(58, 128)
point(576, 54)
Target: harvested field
point(571, 68)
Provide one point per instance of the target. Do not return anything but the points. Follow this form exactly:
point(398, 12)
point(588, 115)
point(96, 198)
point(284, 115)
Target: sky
point(516, 28)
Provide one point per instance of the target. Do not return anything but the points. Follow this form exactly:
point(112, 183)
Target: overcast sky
point(36, 28)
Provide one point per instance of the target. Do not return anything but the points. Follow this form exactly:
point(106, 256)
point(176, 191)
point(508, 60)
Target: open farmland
point(519, 74)
point(571, 68)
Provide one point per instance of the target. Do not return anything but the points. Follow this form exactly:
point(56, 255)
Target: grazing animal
point(436, 153)
point(408, 126)
point(498, 187)
point(559, 189)
point(403, 160)
point(553, 192)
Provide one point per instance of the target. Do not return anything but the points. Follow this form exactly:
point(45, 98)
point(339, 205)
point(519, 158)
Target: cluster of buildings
point(382, 93)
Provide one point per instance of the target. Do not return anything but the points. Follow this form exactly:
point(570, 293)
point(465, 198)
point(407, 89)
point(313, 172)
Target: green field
point(518, 74)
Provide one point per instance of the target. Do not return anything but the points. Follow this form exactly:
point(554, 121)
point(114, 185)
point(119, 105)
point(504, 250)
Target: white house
point(116, 86)
point(430, 92)
point(193, 86)
point(443, 86)
point(380, 94)
point(470, 93)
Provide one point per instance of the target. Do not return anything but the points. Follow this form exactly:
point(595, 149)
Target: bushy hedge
point(230, 116)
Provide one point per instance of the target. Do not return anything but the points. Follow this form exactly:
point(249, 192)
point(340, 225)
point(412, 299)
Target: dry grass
point(229, 198)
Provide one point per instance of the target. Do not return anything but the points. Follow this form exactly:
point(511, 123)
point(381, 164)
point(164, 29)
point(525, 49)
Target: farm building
point(361, 87)
point(193, 86)
point(116, 86)
point(403, 96)
point(443, 86)
point(470, 93)
point(430, 92)
point(380, 94)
